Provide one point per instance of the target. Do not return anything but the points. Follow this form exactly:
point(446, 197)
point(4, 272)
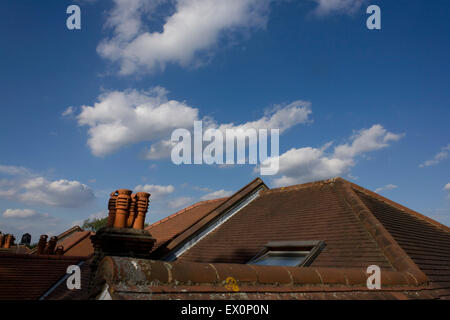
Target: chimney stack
point(2, 239)
point(124, 234)
point(42, 244)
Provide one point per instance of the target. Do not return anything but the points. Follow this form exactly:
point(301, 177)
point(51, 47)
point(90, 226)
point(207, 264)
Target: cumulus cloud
point(386, 187)
point(217, 194)
point(325, 7)
point(120, 118)
point(156, 191)
point(440, 156)
point(309, 164)
point(20, 221)
point(18, 213)
point(180, 202)
point(31, 188)
point(124, 117)
point(194, 27)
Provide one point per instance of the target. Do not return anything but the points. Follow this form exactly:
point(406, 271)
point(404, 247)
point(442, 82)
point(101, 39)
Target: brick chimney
point(42, 244)
point(2, 239)
point(124, 234)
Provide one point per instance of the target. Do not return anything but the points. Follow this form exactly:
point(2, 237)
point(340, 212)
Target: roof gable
point(232, 202)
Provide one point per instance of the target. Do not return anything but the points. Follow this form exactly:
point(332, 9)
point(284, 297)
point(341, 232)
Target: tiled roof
point(359, 227)
point(77, 244)
point(427, 243)
point(173, 225)
point(28, 277)
point(65, 236)
point(314, 211)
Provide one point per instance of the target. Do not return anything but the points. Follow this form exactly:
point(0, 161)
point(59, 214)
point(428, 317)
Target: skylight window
point(288, 253)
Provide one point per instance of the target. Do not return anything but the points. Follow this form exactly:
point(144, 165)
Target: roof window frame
point(314, 247)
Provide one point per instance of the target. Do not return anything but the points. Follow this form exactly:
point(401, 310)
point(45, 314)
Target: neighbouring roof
point(30, 277)
point(359, 227)
point(75, 241)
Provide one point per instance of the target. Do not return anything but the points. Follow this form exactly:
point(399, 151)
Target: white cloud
point(217, 194)
point(30, 188)
point(338, 6)
point(13, 170)
point(20, 221)
point(194, 28)
point(310, 164)
point(280, 117)
point(120, 118)
point(180, 202)
point(440, 156)
point(68, 112)
point(18, 213)
point(386, 187)
point(156, 191)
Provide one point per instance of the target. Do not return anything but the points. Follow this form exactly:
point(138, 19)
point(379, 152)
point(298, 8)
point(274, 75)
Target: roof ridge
point(304, 185)
point(399, 206)
point(43, 256)
point(173, 215)
point(394, 253)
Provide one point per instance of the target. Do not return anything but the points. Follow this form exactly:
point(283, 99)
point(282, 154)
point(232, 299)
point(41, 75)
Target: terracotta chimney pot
point(9, 240)
point(133, 211)
point(59, 250)
point(51, 245)
point(112, 209)
point(42, 244)
point(142, 207)
point(122, 208)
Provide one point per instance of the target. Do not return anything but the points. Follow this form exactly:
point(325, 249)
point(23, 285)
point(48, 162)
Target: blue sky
point(371, 106)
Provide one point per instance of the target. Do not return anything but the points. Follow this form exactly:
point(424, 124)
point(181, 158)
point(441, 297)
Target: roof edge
point(398, 206)
point(173, 215)
point(388, 245)
point(209, 218)
point(250, 278)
